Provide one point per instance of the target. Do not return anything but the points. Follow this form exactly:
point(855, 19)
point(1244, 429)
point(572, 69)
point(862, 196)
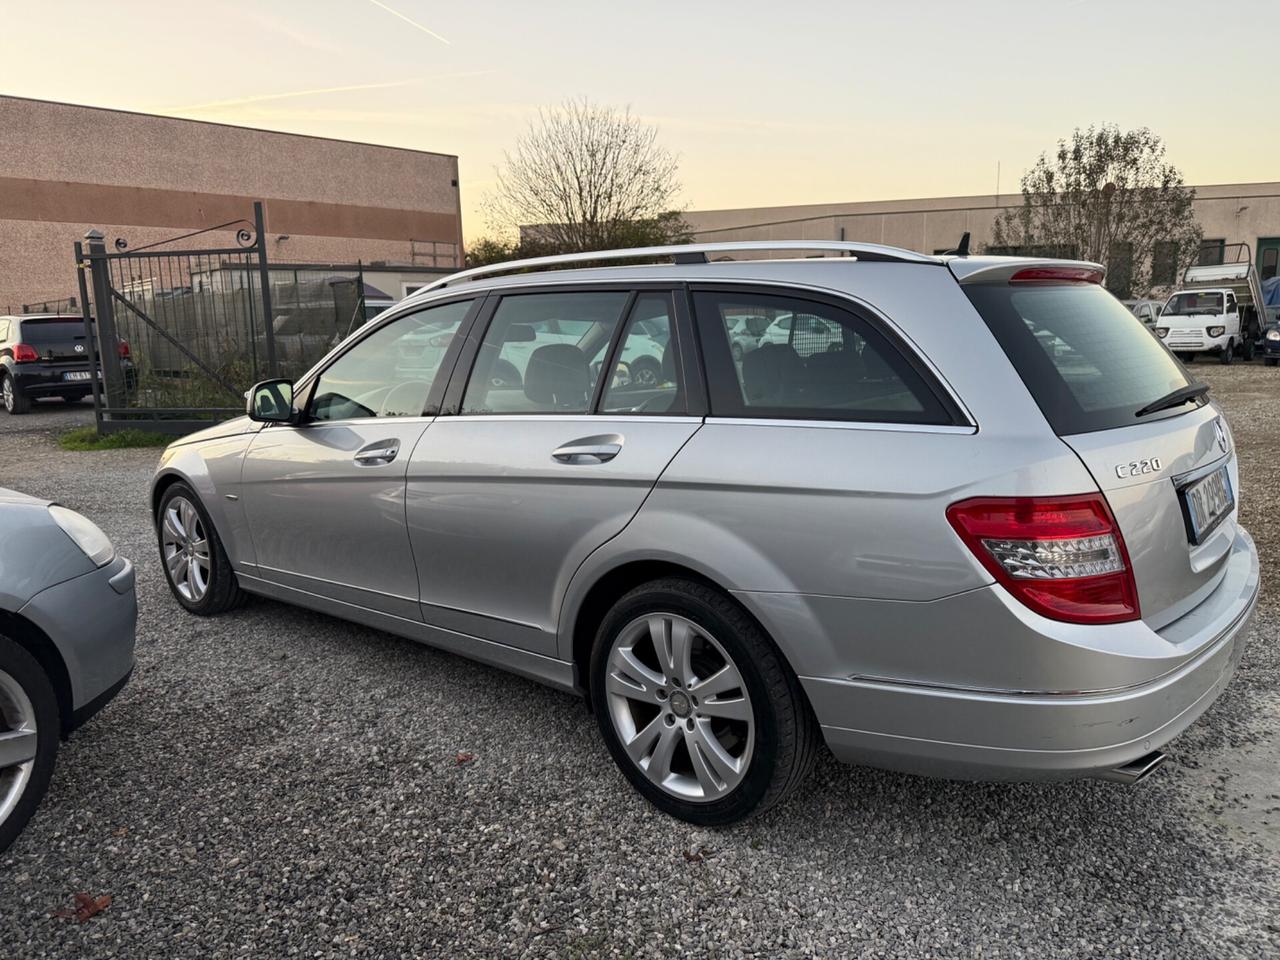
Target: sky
point(764, 103)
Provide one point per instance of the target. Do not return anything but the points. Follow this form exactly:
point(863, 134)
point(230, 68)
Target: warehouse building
point(1228, 214)
point(139, 178)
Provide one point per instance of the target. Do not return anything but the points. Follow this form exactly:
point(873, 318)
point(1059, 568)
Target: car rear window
point(1089, 363)
point(51, 331)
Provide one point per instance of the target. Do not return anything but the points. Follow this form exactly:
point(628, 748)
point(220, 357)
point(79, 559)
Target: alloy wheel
point(680, 707)
point(186, 549)
point(8, 393)
point(18, 742)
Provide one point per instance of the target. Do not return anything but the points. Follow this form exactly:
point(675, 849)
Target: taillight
point(122, 348)
point(1063, 557)
point(1057, 275)
point(24, 353)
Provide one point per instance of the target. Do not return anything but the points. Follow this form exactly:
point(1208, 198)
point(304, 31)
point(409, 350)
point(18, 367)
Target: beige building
point(65, 169)
point(1228, 213)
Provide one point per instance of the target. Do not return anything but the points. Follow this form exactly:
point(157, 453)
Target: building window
point(1211, 252)
point(1120, 269)
point(410, 288)
point(1164, 263)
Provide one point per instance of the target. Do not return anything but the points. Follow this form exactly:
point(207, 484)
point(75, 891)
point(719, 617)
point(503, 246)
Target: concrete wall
point(1233, 212)
point(65, 169)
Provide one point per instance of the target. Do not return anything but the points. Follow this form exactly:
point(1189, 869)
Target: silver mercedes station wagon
point(961, 516)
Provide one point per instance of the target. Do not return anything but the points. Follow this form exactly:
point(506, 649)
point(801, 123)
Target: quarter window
point(646, 377)
point(543, 353)
point(390, 372)
point(808, 360)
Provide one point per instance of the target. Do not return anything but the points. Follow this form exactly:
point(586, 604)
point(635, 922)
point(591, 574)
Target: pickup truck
point(1217, 310)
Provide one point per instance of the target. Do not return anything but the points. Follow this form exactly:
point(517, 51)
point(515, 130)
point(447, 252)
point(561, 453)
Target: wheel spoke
point(627, 664)
point(724, 765)
point(180, 571)
point(174, 562)
point(659, 765)
point(673, 641)
point(735, 708)
point(17, 746)
point(201, 548)
point(173, 526)
point(638, 747)
point(711, 785)
point(722, 681)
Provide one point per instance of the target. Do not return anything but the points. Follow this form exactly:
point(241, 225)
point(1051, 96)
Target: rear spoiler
point(1003, 270)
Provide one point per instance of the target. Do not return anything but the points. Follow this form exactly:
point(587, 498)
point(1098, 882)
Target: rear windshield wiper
point(1175, 398)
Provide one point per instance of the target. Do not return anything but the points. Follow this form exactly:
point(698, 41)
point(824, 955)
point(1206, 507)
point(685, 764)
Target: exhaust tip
point(1135, 770)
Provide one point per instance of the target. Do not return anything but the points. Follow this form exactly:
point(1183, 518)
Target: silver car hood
point(229, 428)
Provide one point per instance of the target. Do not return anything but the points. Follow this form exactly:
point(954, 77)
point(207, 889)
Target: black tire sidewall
point(747, 795)
point(23, 667)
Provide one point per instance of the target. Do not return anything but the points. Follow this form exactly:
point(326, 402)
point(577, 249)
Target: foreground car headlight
point(1162, 332)
point(1215, 331)
point(85, 533)
point(1273, 334)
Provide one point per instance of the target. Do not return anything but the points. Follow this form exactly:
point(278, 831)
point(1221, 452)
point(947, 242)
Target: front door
point(548, 457)
point(325, 499)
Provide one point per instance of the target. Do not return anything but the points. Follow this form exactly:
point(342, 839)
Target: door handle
point(589, 450)
point(377, 454)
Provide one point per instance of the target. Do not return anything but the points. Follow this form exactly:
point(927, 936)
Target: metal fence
point(183, 333)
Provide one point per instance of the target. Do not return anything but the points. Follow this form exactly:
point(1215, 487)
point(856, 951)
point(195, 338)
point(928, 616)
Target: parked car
point(47, 355)
point(744, 334)
point(973, 521)
point(1148, 311)
point(810, 334)
point(67, 615)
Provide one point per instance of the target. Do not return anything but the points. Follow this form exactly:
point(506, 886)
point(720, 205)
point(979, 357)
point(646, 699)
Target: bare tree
point(1109, 196)
point(588, 177)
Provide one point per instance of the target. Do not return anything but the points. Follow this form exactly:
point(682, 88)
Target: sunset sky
point(765, 103)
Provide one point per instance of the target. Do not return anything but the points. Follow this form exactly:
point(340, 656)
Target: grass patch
point(87, 438)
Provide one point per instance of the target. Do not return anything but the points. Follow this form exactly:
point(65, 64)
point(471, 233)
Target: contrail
point(410, 21)
point(258, 98)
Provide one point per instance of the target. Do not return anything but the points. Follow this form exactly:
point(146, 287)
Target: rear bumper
point(972, 734)
point(50, 379)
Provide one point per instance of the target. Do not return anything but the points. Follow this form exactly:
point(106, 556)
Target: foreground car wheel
point(15, 401)
point(195, 563)
point(697, 706)
point(28, 738)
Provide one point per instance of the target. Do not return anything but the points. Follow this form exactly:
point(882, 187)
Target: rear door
point(548, 455)
point(1169, 474)
point(57, 339)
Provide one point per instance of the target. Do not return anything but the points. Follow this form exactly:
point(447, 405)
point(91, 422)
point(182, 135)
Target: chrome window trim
point(877, 425)
point(573, 418)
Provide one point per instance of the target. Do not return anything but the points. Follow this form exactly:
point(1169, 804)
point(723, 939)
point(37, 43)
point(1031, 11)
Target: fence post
point(264, 280)
point(89, 336)
point(104, 313)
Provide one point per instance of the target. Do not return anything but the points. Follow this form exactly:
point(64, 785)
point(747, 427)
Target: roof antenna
point(963, 249)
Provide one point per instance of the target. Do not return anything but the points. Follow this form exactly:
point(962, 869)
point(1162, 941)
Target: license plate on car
point(1206, 503)
point(76, 375)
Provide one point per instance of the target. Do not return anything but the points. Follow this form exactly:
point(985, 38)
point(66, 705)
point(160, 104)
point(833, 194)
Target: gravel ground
point(277, 783)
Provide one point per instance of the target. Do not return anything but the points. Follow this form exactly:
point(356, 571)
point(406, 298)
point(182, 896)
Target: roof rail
point(687, 253)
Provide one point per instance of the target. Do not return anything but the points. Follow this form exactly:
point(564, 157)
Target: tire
point(27, 702)
point(1228, 354)
point(646, 372)
point(15, 401)
point(1248, 349)
point(200, 578)
point(769, 734)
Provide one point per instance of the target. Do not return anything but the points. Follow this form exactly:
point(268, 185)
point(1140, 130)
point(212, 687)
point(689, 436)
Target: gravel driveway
point(276, 783)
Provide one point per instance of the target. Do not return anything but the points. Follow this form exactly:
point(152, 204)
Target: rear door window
point(813, 361)
point(52, 331)
point(1088, 362)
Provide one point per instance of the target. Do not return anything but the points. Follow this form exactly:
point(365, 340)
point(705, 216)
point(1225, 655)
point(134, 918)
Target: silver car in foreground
point(968, 519)
point(67, 614)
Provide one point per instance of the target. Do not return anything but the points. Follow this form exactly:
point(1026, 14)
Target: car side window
point(543, 352)
point(812, 361)
point(646, 376)
point(390, 372)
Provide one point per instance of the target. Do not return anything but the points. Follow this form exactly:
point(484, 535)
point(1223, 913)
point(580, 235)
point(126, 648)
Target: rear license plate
point(1206, 503)
point(76, 375)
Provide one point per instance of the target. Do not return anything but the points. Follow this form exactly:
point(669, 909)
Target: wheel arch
point(45, 652)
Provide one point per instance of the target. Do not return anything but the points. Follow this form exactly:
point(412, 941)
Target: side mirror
point(271, 401)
